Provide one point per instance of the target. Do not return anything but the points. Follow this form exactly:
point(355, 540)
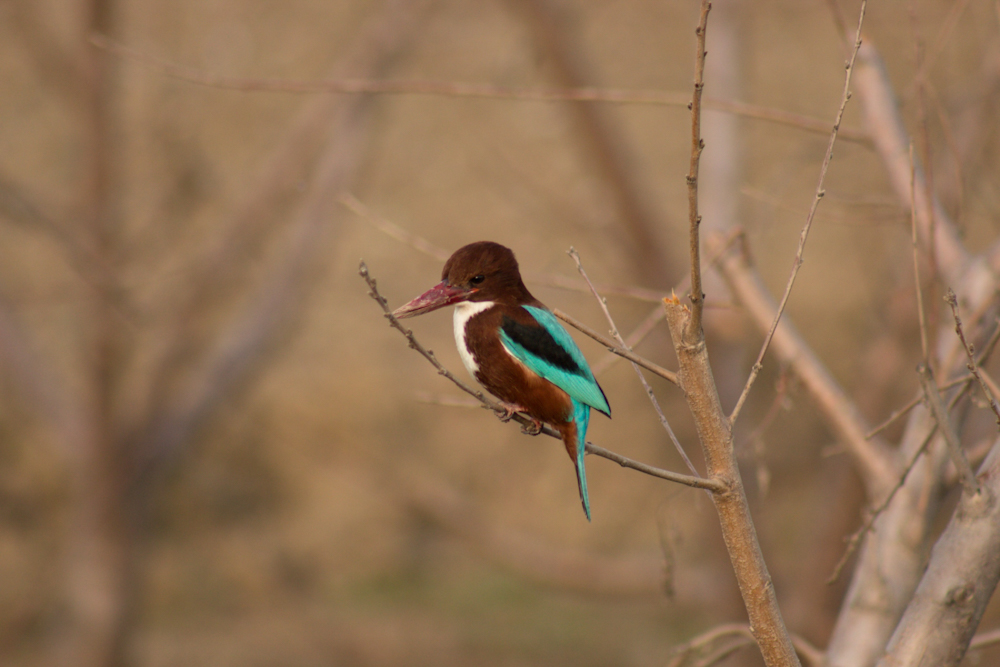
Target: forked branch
point(716, 437)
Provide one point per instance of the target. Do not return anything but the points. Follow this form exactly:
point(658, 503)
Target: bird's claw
point(534, 428)
point(507, 412)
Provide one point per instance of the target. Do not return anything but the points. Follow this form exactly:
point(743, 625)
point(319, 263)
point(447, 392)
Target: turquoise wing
point(550, 351)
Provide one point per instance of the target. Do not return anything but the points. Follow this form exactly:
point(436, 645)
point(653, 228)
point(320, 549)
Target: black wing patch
point(539, 342)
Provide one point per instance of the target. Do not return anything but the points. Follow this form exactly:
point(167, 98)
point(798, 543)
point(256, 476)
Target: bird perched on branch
point(515, 347)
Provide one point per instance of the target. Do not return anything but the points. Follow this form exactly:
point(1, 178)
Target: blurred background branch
point(210, 451)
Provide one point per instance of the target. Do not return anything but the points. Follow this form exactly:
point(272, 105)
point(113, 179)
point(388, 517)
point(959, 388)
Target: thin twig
point(983, 358)
point(943, 34)
point(732, 508)
point(474, 90)
point(687, 480)
point(840, 23)
point(882, 115)
point(928, 180)
point(316, 135)
point(694, 331)
point(990, 637)
point(921, 316)
point(561, 46)
point(874, 458)
point(621, 351)
point(744, 636)
point(940, 413)
point(697, 482)
point(637, 336)
point(809, 219)
point(914, 402)
point(977, 453)
point(855, 539)
point(973, 365)
point(356, 206)
point(645, 385)
point(991, 344)
point(628, 291)
point(424, 246)
point(756, 437)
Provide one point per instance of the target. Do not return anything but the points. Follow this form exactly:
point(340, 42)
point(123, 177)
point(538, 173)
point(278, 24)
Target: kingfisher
point(515, 347)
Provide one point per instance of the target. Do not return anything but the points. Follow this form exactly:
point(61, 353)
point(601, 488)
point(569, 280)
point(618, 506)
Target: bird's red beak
point(439, 296)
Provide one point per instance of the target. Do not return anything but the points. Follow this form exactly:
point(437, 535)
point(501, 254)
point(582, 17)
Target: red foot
point(532, 429)
point(508, 410)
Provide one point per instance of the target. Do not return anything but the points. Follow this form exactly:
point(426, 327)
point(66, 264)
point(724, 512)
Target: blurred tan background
point(213, 451)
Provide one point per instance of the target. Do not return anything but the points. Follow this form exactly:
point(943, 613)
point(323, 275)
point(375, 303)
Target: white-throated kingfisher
point(515, 347)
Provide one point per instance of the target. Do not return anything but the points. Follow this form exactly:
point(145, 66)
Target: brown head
point(481, 271)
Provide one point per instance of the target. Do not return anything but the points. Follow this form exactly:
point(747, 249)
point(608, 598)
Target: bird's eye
point(477, 279)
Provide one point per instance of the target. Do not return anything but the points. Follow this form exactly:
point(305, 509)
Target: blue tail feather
point(581, 416)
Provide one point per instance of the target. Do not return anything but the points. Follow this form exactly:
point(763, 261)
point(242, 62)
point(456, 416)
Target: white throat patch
point(463, 313)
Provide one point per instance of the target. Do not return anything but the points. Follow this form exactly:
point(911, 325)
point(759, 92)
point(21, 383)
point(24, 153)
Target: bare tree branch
point(554, 38)
point(984, 639)
point(961, 576)
point(241, 346)
point(715, 435)
point(873, 457)
point(689, 654)
point(918, 287)
point(488, 91)
point(496, 407)
point(820, 192)
point(421, 244)
point(392, 229)
point(697, 146)
point(879, 594)
point(973, 364)
point(221, 264)
point(855, 539)
point(637, 336)
point(947, 430)
point(614, 348)
point(100, 576)
point(881, 111)
point(982, 359)
point(635, 366)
